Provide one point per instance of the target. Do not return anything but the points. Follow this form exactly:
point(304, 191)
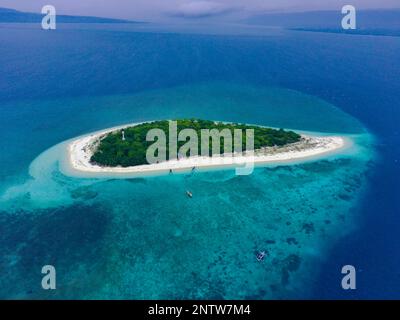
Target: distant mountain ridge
point(15, 16)
point(378, 18)
point(383, 22)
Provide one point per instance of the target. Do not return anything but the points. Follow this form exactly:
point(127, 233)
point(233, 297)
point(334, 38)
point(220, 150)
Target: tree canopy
point(113, 150)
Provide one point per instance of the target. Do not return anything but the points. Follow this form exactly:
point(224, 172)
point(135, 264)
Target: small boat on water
point(189, 194)
point(261, 255)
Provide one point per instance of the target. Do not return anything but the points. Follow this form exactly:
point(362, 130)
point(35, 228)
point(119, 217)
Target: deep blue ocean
point(140, 238)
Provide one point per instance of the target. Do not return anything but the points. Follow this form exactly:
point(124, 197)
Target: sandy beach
point(81, 149)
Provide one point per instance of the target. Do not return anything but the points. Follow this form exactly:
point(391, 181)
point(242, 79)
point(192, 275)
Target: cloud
point(201, 9)
point(156, 10)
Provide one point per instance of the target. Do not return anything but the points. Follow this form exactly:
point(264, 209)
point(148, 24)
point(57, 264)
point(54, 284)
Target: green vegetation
point(114, 151)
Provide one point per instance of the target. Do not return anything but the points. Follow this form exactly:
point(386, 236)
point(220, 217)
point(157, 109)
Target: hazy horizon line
point(182, 18)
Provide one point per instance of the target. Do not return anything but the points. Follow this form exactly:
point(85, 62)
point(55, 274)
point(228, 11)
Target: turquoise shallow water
point(32, 126)
point(143, 238)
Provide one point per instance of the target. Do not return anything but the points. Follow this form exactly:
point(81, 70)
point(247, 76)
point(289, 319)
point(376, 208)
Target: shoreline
point(80, 150)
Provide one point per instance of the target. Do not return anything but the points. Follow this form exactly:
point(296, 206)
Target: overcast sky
point(158, 9)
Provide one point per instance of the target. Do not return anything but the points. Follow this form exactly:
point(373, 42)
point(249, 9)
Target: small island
point(127, 147)
point(121, 151)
